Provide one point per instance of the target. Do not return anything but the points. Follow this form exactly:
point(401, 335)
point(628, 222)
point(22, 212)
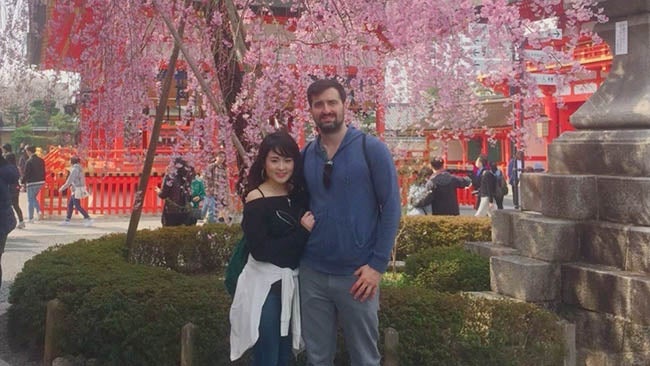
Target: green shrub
point(186, 249)
point(420, 232)
point(127, 314)
point(450, 329)
point(120, 312)
point(448, 269)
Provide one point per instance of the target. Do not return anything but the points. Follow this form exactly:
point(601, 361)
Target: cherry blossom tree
point(258, 65)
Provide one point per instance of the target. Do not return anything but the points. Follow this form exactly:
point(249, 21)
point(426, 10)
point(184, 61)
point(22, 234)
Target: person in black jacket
point(8, 177)
point(486, 187)
point(34, 179)
point(176, 190)
point(14, 190)
point(444, 186)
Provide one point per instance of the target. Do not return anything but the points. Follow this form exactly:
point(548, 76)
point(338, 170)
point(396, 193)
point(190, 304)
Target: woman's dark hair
point(284, 145)
point(75, 160)
point(11, 158)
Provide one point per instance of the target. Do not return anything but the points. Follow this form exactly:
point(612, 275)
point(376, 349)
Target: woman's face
point(278, 168)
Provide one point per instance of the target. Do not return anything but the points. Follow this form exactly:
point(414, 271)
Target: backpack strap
point(372, 180)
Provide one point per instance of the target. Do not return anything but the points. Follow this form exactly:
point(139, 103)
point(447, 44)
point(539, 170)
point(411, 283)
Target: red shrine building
point(493, 137)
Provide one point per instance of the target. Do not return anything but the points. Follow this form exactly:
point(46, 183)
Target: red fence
point(110, 195)
point(114, 194)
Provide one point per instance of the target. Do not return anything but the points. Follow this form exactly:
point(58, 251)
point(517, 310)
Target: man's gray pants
point(326, 302)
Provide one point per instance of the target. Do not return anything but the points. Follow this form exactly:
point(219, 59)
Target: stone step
point(525, 278)
point(616, 245)
point(588, 197)
point(601, 152)
point(489, 249)
point(608, 333)
point(607, 290)
point(537, 236)
point(546, 239)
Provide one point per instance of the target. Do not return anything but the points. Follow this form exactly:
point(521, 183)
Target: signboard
point(544, 79)
point(621, 38)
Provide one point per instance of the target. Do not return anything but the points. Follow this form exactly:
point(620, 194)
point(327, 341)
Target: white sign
point(544, 79)
point(535, 54)
point(554, 33)
point(621, 38)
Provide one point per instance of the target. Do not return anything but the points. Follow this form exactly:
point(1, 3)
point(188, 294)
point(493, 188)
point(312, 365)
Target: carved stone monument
point(582, 241)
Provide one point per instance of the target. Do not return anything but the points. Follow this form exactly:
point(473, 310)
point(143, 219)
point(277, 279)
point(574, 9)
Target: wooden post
point(391, 341)
point(53, 319)
point(187, 344)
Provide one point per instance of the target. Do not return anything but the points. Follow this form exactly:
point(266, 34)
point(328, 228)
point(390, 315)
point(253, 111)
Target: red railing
point(112, 194)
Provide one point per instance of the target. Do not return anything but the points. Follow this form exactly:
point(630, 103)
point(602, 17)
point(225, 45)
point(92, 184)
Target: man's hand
point(367, 284)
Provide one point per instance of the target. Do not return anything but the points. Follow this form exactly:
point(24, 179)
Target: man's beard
point(330, 127)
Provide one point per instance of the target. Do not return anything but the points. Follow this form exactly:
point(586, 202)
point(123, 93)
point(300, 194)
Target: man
point(515, 167)
point(217, 189)
point(14, 190)
point(355, 200)
point(34, 179)
point(444, 185)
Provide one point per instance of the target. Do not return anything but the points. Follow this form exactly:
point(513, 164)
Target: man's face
point(327, 111)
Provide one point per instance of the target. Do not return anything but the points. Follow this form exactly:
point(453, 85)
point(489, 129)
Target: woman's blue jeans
point(75, 203)
point(271, 349)
point(32, 201)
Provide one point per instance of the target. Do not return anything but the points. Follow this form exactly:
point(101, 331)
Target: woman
point(485, 188)
point(419, 202)
point(276, 226)
point(177, 192)
point(8, 177)
point(500, 186)
point(77, 182)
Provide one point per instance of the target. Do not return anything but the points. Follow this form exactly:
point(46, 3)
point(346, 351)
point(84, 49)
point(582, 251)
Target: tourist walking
point(176, 190)
point(515, 168)
point(419, 196)
point(445, 186)
point(485, 187)
point(354, 195)
point(77, 183)
point(8, 177)
point(34, 179)
point(217, 189)
point(276, 225)
point(500, 185)
point(14, 189)
point(198, 196)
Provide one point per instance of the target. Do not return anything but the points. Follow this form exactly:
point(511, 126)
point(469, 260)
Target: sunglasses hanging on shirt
point(327, 173)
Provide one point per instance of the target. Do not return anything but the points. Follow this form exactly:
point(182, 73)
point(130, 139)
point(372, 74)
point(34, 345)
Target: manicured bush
point(448, 269)
point(420, 232)
point(186, 249)
point(122, 313)
point(125, 313)
point(450, 329)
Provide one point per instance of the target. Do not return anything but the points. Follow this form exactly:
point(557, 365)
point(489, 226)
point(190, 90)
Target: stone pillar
point(588, 218)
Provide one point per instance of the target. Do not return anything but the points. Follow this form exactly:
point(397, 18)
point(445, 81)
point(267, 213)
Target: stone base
point(607, 290)
point(525, 278)
point(488, 249)
point(622, 246)
point(601, 152)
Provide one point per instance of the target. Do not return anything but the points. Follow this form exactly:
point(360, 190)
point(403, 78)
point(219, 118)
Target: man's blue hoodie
point(352, 229)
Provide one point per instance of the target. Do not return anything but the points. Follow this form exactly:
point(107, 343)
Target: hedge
point(125, 313)
point(420, 232)
point(450, 269)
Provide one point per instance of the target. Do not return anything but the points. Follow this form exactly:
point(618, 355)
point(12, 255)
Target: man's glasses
point(327, 173)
